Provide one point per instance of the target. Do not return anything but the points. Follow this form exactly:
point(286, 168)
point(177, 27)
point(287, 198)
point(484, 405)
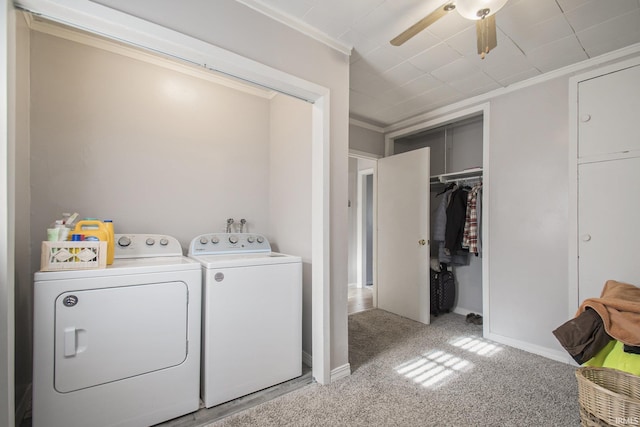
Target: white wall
point(153, 149)
point(528, 261)
point(289, 191)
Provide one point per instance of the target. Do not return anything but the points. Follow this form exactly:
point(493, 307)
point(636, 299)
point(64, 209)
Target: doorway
point(361, 292)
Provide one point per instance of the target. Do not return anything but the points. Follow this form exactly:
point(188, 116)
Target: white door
point(607, 227)
point(403, 234)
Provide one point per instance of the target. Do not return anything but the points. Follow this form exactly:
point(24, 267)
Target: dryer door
point(109, 334)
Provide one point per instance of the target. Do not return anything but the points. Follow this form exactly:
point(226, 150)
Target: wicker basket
point(608, 397)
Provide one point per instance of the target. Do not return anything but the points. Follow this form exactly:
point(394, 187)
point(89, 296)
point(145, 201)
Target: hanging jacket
point(456, 215)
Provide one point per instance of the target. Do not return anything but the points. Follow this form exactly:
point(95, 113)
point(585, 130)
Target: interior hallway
point(359, 299)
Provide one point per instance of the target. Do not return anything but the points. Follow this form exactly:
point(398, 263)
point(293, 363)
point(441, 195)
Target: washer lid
point(244, 260)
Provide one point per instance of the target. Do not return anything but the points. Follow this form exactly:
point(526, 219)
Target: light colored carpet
point(408, 374)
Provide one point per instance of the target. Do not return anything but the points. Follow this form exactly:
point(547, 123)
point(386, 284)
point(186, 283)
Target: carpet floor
point(405, 373)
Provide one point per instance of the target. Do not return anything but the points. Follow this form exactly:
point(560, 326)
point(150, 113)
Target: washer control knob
point(251, 239)
point(204, 240)
point(233, 239)
point(150, 241)
point(260, 239)
point(164, 242)
point(215, 240)
point(124, 241)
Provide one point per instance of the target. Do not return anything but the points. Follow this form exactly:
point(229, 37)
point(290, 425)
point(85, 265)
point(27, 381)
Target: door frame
point(107, 22)
point(361, 219)
point(442, 117)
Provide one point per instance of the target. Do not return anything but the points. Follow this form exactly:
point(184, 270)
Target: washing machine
point(119, 346)
point(252, 315)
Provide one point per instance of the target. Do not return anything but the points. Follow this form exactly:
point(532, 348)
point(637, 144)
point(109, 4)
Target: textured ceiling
point(440, 65)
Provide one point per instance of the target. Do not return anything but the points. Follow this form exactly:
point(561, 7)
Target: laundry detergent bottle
point(111, 243)
point(94, 229)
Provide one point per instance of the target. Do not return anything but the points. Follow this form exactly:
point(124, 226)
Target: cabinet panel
point(609, 112)
point(607, 226)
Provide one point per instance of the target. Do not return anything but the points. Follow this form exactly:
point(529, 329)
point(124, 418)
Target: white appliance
point(118, 346)
point(252, 315)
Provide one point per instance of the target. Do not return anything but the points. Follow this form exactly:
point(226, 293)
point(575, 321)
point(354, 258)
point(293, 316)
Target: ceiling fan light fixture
point(478, 9)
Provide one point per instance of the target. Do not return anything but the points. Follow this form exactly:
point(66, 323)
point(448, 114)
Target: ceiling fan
point(481, 11)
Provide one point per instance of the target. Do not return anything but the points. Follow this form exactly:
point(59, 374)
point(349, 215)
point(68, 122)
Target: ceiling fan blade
point(422, 24)
point(486, 34)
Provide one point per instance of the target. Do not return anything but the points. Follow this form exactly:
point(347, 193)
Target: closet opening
point(458, 146)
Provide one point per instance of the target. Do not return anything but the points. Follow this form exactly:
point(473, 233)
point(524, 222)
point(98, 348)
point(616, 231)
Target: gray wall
point(529, 223)
point(290, 199)
point(366, 140)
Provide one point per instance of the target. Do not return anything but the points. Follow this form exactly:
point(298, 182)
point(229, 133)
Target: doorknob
point(422, 242)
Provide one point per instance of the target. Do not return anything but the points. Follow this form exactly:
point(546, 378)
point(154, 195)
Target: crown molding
point(365, 125)
point(298, 25)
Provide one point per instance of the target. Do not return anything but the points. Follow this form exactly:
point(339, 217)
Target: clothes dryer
point(119, 345)
point(252, 315)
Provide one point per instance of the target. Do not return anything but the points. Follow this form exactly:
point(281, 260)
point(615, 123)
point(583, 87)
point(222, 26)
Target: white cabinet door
point(609, 113)
point(403, 234)
point(608, 231)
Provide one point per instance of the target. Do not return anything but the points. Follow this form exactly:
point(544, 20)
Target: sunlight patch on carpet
point(476, 345)
point(433, 368)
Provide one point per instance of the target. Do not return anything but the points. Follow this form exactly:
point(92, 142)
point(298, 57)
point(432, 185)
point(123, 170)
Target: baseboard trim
point(307, 359)
point(340, 372)
point(558, 356)
point(23, 406)
point(464, 311)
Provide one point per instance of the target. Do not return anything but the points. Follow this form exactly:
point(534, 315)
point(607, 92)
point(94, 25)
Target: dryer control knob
point(150, 242)
point(251, 239)
point(164, 242)
point(260, 239)
point(215, 240)
point(204, 240)
point(233, 239)
point(124, 241)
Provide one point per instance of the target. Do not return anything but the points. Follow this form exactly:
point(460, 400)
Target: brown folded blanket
point(619, 308)
point(583, 336)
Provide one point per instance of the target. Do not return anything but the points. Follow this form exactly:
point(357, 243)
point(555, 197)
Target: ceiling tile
point(402, 74)
point(389, 84)
point(541, 33)
point(526, 13)
point(324, 17)
point(379, 60)
point(475, 83)
point(613, 34)
point(435, 57)
point(568, 5)
point(516, 78)
point(598, 11)
point(450, 25)
point(459, 69)
point(420, 85)
point(557, 54)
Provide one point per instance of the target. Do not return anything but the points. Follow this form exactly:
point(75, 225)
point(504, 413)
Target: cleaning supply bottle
point(93, 229)
point(111, 242)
